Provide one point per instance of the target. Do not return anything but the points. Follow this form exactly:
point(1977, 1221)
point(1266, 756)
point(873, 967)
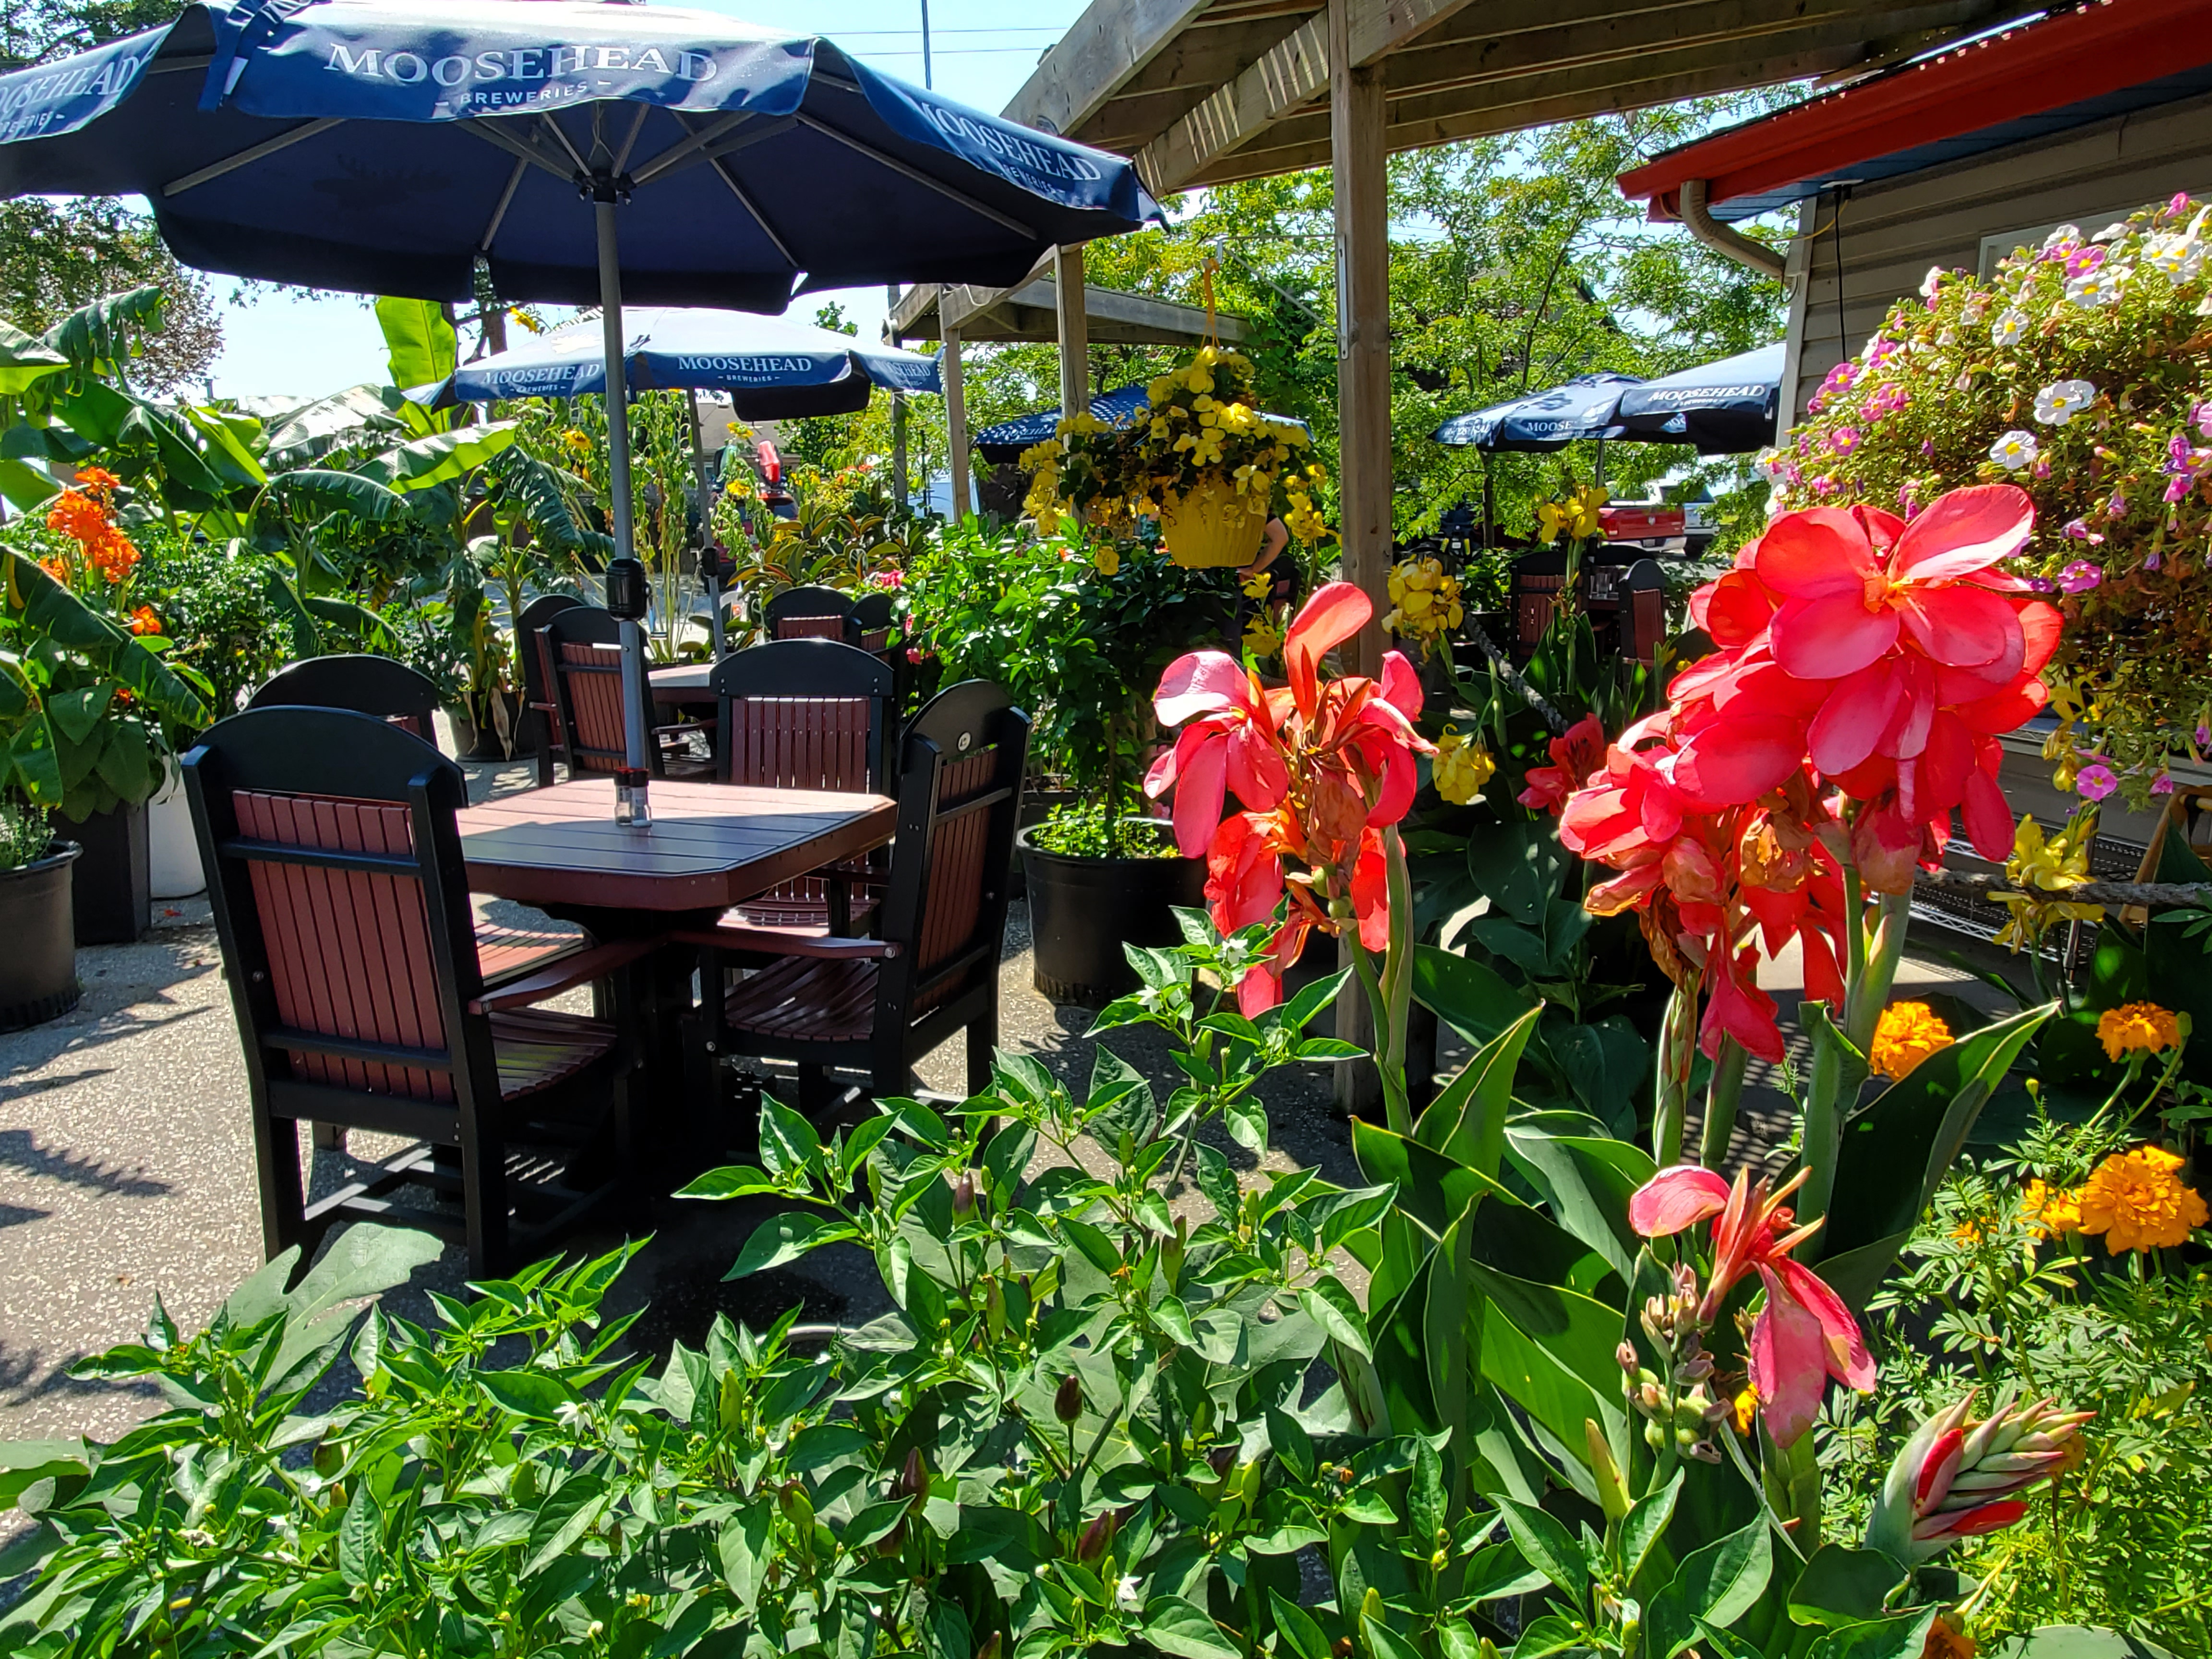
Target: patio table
point(681, 685)
point(709, 847)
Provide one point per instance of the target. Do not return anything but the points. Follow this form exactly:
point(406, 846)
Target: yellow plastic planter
point(1212, 526)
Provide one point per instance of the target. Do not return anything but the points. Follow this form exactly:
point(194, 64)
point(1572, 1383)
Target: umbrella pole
point(1489, 504)
point(710, 573)
point(625, 576)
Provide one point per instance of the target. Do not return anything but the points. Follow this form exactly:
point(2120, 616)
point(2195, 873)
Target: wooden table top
point(709, 846)
point(683, 682)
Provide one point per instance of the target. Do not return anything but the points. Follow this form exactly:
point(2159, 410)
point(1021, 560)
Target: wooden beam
point(956, 424)
point(1102, 49)
point(1539, 102)
point(1030, 313)
point(1293, 73)
point(1358, 163)
point(1069, 288)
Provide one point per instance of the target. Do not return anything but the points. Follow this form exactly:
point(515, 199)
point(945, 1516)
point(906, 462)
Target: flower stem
point(1677, 1054)
point(1722, 1096)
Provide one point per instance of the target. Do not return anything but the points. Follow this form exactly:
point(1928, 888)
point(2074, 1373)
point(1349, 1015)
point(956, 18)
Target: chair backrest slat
point(812, 627)
point(802, 714)
point(591, 690)
point(960, 782)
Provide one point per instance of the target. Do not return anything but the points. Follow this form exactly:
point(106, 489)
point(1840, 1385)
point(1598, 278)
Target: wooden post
point(956, 424)
point(1357, 161)
point(1067, 280)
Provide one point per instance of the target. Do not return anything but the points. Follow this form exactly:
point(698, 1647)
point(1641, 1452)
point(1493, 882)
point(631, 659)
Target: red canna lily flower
point(1803, 1334)
point(1320, 766)
point(1575, 755)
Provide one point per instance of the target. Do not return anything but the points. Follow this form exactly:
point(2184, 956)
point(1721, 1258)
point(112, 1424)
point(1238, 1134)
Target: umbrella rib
point(630, 143)
point(496, 135)
point(759, 218)
point(505, 197)
point(583, 167)
point(918, 177)
point(684, 147)
point(253, 153)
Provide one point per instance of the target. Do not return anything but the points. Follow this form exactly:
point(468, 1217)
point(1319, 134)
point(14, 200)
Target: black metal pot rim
point(1030, 849)
point(57, 852)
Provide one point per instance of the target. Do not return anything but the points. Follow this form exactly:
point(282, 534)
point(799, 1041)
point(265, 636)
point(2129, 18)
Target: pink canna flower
point(1803, 1334)
point(1957, 1480)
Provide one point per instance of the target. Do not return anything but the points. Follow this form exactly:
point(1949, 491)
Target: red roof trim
point(2104, 47)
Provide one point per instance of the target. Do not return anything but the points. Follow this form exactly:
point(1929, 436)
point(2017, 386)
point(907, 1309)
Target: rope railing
point(2112, 894)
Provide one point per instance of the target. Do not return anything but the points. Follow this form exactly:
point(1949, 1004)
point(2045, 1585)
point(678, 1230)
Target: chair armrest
point(565, 975)
point(790, 942)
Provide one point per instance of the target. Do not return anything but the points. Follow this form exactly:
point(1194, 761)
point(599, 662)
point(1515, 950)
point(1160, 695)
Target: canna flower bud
point(1956, 1480)
point(1067, 1404)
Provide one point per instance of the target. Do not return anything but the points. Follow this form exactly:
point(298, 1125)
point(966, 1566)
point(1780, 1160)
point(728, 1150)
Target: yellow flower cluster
point(1573, 515)
point(2137, 1027)
point(1462, 767)
point(2058, 864)
point(1425, 602)
point(1262, 639)
point(1107, 559)
point(2136, 1200)
point(1907, 1034)
point(1302, 519)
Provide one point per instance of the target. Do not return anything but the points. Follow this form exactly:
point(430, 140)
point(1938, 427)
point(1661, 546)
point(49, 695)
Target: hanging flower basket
point(1211, 525)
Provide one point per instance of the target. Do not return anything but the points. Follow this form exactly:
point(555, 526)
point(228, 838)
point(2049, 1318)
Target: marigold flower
point(2050, 1211)
point(2137, 1026)
point(2136, 1200)
point(1908, 1033)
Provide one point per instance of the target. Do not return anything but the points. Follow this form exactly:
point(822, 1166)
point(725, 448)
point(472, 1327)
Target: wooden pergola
point(1205, 92)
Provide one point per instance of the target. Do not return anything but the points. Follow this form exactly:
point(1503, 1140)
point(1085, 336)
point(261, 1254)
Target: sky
point(980, 52)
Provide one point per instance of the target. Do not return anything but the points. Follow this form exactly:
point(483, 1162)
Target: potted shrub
point(88, 706)
point(38, 973)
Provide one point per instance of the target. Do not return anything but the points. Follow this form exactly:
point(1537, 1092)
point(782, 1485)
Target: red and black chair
point(583, 648)
point(877, 1006)
point(811, 613)
point(541, 718)
point(872, 623)
point(381, 686)
point(334, 867)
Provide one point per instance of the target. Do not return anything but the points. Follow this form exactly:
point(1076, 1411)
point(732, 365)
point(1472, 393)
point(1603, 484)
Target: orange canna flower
point(144, 621)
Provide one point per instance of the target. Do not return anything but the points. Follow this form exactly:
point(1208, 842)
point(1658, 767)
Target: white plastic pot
point(173, 851)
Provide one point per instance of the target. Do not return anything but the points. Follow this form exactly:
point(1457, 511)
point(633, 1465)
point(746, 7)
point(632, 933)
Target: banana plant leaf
point(439, 458)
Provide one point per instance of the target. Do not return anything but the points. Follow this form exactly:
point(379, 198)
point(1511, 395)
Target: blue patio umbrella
point(1542, 421)
point(578, 149)
point(772, 368)
point(1724, 407)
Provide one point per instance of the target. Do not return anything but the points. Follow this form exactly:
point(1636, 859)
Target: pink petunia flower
point(2095, 781)
point(1843, 440)
point(2081, 576)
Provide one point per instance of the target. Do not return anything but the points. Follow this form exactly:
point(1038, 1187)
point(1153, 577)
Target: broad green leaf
point(26, 360)
point(102, 337)
point(421, 348)
point(76, 712)
point(26, 487)
point(1587, 1181)
point(565, 1517)
point(1384, 1643)
point(732, 1181)
point(1433, 1187)
point(1305, 1639)
point(317, 491)
point(1647, 1518)
point(787, 1237)
point(442, 456)
point(1174, 1626)
point(1582, 1334)
point(1546, 1544)
point(227, 452)
point(1904, 1637)
point(1332, 1307)
point(1897, 1150)
point(788, 1143)
point(1548, 1635)
point(1466, 1121)
point(36, 765)
point(1718, 1585)
point(1518, 866)
point(743, 1549)
point(2078, 1642)
point(1473, 999)
point(25, 1463)
point(1843, 1586)
point(527, 1392)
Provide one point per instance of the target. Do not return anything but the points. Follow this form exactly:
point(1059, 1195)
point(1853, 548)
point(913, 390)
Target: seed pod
point(964, 1193)
point(1067, 1404)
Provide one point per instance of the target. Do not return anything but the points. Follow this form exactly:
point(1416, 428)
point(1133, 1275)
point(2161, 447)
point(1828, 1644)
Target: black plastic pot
point(38, 971)
point(114, 887)
point(1083, 910)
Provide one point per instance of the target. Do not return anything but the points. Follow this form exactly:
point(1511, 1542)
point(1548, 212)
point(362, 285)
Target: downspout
point(1725, 239)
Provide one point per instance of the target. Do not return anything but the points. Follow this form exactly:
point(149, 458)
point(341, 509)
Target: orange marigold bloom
point(1908, 1033)
point(2137, 1201)
point(2136, 1025)
point(2050, 1211)
point(144, 621)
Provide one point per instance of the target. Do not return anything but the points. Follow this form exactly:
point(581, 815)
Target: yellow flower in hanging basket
point(1211, 525)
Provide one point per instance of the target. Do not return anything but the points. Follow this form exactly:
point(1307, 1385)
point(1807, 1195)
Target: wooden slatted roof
point(1209, 91)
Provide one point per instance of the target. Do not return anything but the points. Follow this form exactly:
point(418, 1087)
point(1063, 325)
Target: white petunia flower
point(2063, 234)
point(2098, 288)
point(1931, 281)
point(2061, 401)
point(2111, 233)
point(2014, 451)
point(2009, 326)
